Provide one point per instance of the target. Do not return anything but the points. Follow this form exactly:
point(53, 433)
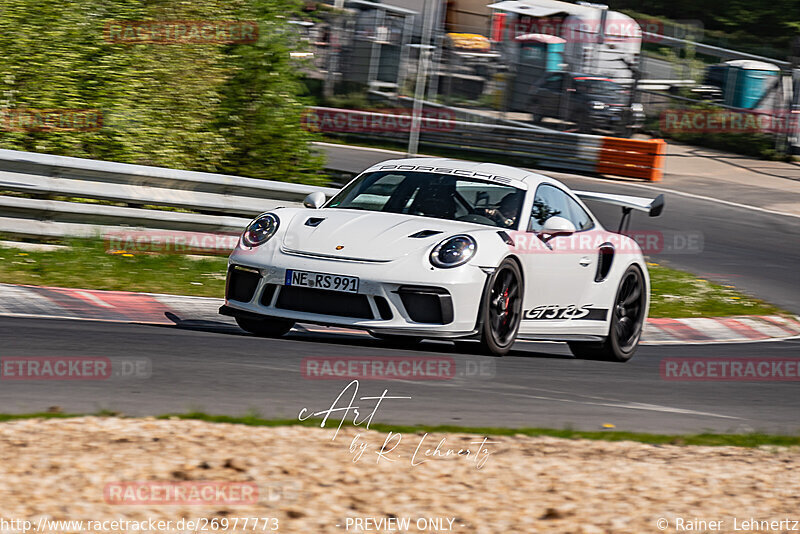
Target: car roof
point(529, 178)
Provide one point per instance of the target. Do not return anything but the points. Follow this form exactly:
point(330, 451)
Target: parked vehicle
point(590, 102)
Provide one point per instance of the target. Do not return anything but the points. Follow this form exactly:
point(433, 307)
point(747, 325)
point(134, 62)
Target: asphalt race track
point(218, 369)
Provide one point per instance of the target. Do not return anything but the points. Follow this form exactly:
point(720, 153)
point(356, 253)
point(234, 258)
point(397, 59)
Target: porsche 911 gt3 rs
point(438, 248)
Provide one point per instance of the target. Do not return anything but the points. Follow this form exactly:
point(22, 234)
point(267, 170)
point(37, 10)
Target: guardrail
point(544, 148)
point(67, 196)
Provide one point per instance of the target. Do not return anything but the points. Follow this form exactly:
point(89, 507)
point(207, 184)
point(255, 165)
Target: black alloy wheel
point(627, 321)
point(501, 309)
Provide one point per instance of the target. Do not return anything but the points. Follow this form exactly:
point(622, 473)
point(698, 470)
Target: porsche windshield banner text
point(448, 170)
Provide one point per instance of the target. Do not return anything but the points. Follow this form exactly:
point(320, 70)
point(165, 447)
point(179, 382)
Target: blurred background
point(240, 106)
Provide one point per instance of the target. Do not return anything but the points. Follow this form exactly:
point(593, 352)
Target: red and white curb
point(153, 308)
point(720, 329)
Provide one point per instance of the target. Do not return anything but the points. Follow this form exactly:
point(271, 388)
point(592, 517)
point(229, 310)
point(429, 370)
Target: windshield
point(597, 86)
point(440, 196)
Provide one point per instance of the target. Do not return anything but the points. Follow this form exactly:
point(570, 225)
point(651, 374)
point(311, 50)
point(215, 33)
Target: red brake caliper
point(505, 296)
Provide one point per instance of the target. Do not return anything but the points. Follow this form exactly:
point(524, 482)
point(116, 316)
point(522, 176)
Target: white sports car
point(438, 248)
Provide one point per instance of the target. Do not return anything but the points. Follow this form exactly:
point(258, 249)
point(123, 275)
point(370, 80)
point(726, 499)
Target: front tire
point(501, 309)
point(264, 327)
point(627, 321)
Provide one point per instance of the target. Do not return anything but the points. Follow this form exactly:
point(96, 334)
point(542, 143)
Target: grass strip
point(755, 439)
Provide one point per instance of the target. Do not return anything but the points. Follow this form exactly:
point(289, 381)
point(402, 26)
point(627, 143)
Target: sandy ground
point(84, 469)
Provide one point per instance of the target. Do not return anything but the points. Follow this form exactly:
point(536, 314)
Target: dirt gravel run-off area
point(300, 479)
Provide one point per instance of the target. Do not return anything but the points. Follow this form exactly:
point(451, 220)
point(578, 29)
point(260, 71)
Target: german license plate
point(331, 282)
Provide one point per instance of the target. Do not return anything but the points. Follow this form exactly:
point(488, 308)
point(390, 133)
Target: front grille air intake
point(432, 305)
point(305, 299)
point(242, 283)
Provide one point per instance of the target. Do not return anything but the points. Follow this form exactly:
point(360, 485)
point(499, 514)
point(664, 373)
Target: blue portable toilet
point(747, 82)
point(537, 55)
point(542, 50)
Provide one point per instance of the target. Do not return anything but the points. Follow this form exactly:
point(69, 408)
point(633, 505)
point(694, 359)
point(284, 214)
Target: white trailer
point(599, 42)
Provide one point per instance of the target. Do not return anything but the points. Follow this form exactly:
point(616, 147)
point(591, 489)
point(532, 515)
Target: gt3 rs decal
point(551, 312)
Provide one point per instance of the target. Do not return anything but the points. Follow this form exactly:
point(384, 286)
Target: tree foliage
point(734, 22)
point(232, 108)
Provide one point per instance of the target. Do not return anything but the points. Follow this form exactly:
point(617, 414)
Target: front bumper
point(612, 118)
point(391, 299)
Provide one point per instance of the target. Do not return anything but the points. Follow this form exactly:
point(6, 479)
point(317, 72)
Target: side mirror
point(556, 226)
point(314, 200)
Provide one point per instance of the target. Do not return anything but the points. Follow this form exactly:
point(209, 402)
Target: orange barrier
point(632, 157)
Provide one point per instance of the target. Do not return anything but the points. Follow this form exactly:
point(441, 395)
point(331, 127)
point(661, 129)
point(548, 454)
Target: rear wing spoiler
point(653, 207)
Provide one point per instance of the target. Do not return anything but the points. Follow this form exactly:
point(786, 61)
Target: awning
point(541, 8)
point(376, 5)
point(540, 38)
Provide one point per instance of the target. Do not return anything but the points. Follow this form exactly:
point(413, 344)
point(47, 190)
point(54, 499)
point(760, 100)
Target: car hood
point(363, 235)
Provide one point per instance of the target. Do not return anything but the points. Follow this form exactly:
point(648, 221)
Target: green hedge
point(230, 108)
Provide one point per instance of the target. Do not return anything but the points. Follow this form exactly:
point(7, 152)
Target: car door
point(558, 271)
point(548, 95)
point(578, 107)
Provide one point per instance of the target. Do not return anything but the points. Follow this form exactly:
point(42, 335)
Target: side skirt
point(561, 337)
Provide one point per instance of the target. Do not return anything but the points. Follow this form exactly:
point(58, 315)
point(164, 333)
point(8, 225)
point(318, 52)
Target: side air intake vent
point(314, 221)
point(425, 233)
point(605, 259)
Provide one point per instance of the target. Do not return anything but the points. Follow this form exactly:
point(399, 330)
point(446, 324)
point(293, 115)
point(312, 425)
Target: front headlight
point(261, 230)
point(453, 251)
